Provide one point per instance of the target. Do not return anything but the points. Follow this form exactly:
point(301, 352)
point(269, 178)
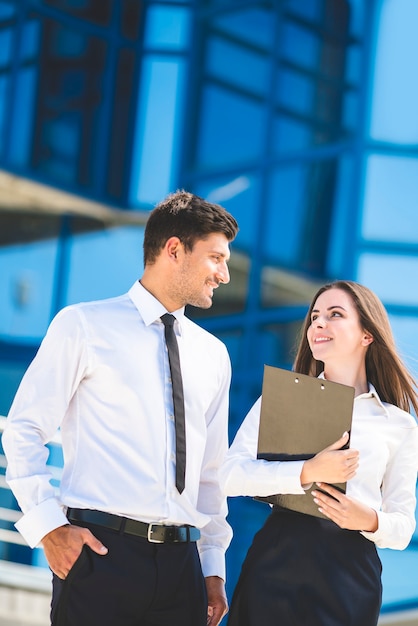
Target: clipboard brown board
point(300, 416)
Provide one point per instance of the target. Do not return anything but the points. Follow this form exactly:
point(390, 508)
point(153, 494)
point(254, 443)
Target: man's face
point(201, 271)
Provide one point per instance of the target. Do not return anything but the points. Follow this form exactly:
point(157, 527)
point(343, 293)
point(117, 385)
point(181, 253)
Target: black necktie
point(178, 399)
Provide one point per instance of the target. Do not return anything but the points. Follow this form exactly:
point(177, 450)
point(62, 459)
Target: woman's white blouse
point(387, 440)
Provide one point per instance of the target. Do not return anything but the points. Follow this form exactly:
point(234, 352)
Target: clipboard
point(300, 416)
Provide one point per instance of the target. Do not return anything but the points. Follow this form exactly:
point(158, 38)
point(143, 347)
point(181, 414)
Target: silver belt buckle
point(149, 535)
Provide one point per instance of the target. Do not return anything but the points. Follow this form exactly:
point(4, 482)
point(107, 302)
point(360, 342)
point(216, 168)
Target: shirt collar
point(149, 307)
point(372, 393)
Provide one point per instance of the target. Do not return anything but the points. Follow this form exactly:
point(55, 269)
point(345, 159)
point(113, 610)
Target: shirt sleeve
point(34, 418)
point(397, 515)
point(217, 534)
point(242, 474)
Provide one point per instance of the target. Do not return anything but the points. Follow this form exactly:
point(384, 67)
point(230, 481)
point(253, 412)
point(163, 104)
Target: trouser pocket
point(61, 589)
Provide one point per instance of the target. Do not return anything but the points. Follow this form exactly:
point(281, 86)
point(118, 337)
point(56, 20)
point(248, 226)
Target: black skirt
point(306, 571)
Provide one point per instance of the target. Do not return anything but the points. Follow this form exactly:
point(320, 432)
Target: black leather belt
point(155, 533)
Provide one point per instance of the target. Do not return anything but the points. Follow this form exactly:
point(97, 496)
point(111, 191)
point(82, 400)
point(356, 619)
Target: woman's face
point(335, 333)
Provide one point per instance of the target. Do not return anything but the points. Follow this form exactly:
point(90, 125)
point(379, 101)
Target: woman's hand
point(331, 465)
point(346, 512)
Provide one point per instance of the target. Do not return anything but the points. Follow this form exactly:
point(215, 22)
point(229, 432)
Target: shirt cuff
point(41, 520)
point(213, 562)
point(385, 535)
point(288, 476)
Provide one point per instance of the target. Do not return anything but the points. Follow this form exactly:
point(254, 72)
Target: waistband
point(155, 533)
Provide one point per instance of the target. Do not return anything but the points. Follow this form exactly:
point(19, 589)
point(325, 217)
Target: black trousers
point(136, 584)
point(306, 571)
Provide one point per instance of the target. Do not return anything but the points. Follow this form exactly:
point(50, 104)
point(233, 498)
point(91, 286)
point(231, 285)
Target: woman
point(311, 571)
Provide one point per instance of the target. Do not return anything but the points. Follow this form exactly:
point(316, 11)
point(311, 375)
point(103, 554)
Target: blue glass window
point(7, 10)
point(238, 66)
point(156, 134)
point(167, 27)
point(29, 41)
point(5, 46)
point(231, 129)
point(22, 121)
point(83, 283)
point(296, 91)
point(391, 199)
point(387, 275)
point(253, 25)
point(300, 199)
point(395, 94)
point(27, 277)
point(239, 195)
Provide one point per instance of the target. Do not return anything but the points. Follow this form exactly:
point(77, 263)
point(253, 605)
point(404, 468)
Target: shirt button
point(171, 418)
point(172, 457)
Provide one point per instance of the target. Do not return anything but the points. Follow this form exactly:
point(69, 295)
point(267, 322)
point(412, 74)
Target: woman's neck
point(347, 375)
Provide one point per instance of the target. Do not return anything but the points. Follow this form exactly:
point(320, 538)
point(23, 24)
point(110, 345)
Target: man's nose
point(223, 274)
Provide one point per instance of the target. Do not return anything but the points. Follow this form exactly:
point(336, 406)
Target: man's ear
point(173, 247)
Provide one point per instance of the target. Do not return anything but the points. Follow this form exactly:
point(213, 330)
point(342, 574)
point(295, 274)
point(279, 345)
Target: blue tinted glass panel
point(399, 577)
point(290, 134)
point(240, 196)
point(277, 342)
point(62, 136)
point(296, 91)
point(300, 46)
point(231, 129)
point(343, 221)
point(4, 82)
point(395, 95)
point(10, 377)
point(283, 233)
point(238, 66)
point(167, 27)
point(23, 111)
point(97, 11)
point(251, 25)
point(392, 277)
point(29, 42)
point(311, 10)
point(160, 108)
point(94, 273)
point(357, 17)
point(67, 42)
point(5, 47)
point(233, 342)
point(7, 10)
point(405, 331)
point(354, 58)
point(351, 111)
point(391, 199)
point(26, 278)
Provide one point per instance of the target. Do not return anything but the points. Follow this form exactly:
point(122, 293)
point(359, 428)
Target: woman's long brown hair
point(384, 368)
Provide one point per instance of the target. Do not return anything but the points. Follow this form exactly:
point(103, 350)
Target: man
point(122, 537)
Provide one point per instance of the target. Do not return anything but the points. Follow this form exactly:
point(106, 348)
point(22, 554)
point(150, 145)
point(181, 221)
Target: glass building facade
point(298, 116)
